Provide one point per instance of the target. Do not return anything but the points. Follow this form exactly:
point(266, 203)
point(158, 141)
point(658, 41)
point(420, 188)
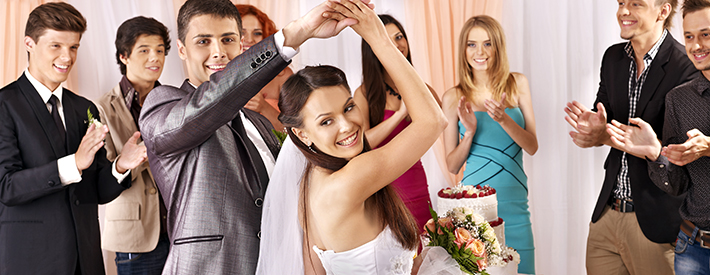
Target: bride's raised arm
point(375, 169)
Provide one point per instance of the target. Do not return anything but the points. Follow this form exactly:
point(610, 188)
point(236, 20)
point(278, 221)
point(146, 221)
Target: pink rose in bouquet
point(463, 237)
point(477, 247)
point(430, 225)
point(482, 264)
point(447, 222)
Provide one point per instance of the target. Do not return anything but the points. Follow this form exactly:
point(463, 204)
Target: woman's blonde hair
point(501, 79)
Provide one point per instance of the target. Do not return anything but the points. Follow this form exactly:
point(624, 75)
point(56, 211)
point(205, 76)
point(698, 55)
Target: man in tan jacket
point(135, 221)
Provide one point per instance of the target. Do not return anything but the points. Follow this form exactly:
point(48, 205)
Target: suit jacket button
point(263, 56)
point(253, 65)
point(258, 60)
point(258, 235)
point(153, 191)
point(50, 183)
point(268, 53)
point(259, 202)
point(76, 202)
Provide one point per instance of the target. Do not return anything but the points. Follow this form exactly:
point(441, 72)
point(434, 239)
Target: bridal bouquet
point(466, 236)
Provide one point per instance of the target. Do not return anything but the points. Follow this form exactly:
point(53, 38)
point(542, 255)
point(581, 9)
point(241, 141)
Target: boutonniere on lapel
point(92, 120)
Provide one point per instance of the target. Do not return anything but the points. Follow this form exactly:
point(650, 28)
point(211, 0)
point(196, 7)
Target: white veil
point(281, 249)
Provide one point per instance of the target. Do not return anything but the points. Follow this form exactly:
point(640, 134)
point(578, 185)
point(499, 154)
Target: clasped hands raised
point(327, 20)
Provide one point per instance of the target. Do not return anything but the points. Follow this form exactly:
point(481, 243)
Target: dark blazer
point(203, 169)
point(46, 227)
point(656, 211)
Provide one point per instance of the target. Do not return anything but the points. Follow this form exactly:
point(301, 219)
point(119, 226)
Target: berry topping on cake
point(460, 191)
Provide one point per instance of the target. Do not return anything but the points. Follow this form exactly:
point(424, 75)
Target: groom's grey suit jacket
point(203, 169)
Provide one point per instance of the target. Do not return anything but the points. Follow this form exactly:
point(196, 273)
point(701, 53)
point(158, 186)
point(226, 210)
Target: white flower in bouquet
point(507, 255)
point(468, 211)
point(490, 234)
point(495, 245)
point(459, 214)
point(496, 260)
point(516, 256)
point(478, 219)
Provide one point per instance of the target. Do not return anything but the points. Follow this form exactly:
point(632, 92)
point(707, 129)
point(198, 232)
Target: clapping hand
point(692, 149)
point(589, 126)
point(92, 141)
point(466, 115)
point(496, 109)
point(133, 154)
point(639, 141)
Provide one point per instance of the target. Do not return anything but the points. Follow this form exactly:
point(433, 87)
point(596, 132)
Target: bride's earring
point(310, 147)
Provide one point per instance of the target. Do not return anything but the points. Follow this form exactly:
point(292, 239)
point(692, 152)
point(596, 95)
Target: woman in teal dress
point(491, 122)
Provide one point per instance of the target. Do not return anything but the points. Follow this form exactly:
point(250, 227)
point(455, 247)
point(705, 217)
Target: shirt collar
point(43, 91)
point(651, 54)
point(128, 92)
point(701, 85)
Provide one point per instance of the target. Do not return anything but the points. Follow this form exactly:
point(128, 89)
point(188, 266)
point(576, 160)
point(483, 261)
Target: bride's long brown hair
point(387, 204)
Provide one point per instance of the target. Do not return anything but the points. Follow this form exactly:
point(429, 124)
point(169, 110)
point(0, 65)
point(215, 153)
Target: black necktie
point(58, 120)
point(256, 160)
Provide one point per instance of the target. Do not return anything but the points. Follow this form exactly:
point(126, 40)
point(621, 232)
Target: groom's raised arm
point(174, 121)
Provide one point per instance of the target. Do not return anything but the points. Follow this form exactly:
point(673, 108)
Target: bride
point(350, 216)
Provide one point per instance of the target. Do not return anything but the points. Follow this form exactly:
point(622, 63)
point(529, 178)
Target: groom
point(211, 157)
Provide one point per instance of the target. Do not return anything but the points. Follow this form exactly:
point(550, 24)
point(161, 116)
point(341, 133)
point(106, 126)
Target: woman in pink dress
point(386, 116)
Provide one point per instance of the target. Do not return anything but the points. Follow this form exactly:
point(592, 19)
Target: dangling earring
point(310, 147)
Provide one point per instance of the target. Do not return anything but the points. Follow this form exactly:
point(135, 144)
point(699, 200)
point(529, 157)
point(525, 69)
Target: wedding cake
point(483, 201)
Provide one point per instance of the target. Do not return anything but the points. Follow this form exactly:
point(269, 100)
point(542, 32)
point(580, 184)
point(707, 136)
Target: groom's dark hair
point(216, 8)
point(694, 5)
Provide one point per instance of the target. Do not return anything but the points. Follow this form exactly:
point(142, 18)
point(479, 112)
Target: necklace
point(392, 92)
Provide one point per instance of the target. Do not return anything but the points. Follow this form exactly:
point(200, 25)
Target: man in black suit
point(634, 222)
point(53, 168)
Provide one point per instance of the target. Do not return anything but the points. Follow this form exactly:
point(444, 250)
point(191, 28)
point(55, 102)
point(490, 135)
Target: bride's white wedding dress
point(282, 237)
point(384, 255)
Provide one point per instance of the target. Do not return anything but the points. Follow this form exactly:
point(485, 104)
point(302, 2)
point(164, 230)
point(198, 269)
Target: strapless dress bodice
point(383, 255)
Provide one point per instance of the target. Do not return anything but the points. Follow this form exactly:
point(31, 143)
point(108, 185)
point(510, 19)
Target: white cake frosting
point(486, 206)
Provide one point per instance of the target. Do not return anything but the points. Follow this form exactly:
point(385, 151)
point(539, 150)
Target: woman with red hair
point(256, 26)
